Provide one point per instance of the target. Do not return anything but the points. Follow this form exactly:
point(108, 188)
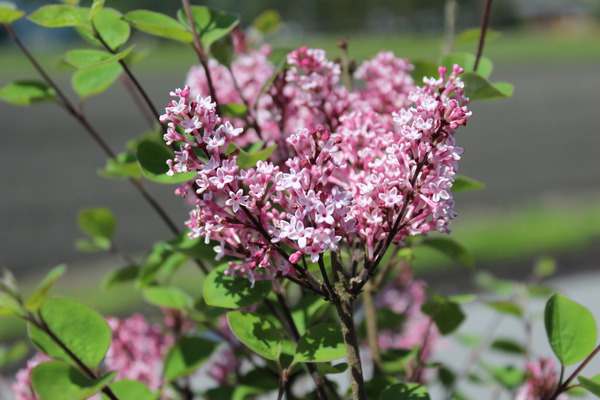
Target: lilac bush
point(310, 182)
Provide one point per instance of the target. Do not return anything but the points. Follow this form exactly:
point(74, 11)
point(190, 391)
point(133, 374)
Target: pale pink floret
point(541, 382)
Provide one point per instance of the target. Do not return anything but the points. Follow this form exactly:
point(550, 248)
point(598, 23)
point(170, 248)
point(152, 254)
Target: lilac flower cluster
point(541, 382)
point(136, 352)
point(351, 168)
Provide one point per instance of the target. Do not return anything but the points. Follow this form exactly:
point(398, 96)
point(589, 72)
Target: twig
point(484, 26)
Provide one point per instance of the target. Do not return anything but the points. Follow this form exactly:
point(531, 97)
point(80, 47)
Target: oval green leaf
point(111, 27)
point(94, 80)
point(42, 291)
point(122, 275)
point(591, 385)
point(159, 262)
point(405, 391)
point(451, 249)
point(186, 355)
point(153, 157)
point(225, 291)
point(464, 184)
point(128, 389)
point(124, 166)
point(211, 24)
point(54, 380)
point(506, 307)
point(158, 24)
point(97, 5)
point(88, 57)
point(321, 343)
point(27, 92)
point(97, 222)
point(56, 16)
point(9, 13)
point(571, 329)
point(258, 333)
point(168, 297)
point(81, 329)
point(477, 87)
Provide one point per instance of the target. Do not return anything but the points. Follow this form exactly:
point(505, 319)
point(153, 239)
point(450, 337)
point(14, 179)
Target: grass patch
point(520, 235)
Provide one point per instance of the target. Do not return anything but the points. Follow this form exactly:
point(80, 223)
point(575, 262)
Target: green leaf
point(93, 244)
point(95, 80)
point(168, 297)
point(81, 329)
point(9, 306)
point(194, 248)
point(509, 377)
point(397, 361)
point(278, 58)
point(506, 307)
point(128, 389)
point(451, 249)
point(54, 380)
point(488, 282)
point(591, 385)
point(56, 16)
point(111, 27)
point(472, 35)
point(223, 52)
point(268, 21)
point(571, 329)
point(159, 262)
point(153, 158)
point(186, 355)
point(507, 346)
point(211, 24)
point(158, 24)
point(97, 5)
point(467, 61)
point(423, 68)
point(446, 314)
point(328, 369)
point(239, 392)
point(27, 92)
point(221, 290)
point(125, 166)
point(464, 184)
point(121, 275)
point(256, 332)
point(9, 13)
point(233, 110)
point(249, 160)
point(8, 283)
point(42, 291)
point(321, 343)
point(544, 267)
point(405, 391)
point(13, 354)
point(308, 310)
point(377, 384)
point(89, 58)
point(97, 222)
point(477, 87)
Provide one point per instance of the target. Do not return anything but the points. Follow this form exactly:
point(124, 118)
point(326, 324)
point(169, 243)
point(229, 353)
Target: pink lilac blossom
point(405, 296)
point(136, 352)
point(541, 382)
point(349, 170)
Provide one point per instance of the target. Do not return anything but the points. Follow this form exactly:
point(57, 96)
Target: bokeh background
point(537, 152)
